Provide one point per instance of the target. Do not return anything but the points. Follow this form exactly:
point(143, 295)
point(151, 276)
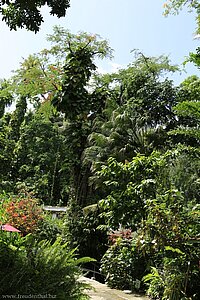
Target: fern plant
point(42, 268)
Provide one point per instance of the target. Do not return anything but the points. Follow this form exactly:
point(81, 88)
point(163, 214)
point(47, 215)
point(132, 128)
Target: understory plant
point(48, 228)
point(31, 267)
point(21, 211)
point(173, 279)
point(170, 236)
point(123, 266)
point(82, 229)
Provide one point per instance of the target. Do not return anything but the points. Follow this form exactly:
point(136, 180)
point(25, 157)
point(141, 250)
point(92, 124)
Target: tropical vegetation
point(120, 150)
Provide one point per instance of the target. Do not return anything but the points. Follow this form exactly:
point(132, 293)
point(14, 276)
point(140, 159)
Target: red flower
point(15, 215)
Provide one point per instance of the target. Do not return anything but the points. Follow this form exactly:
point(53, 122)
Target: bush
point(123, 265)
point(155, 283)
point(170, 236)
point(81, 229)
point(29, 267)
point(22, 211)
point(48, 229)
point(176, 277)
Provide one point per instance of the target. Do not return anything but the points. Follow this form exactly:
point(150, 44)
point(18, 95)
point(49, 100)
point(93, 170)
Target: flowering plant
point(21, 211)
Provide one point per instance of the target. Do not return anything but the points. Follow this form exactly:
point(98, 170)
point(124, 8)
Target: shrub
point(22, 211)
point(176, 277)
point(48, 229)
point(29, 267)
point(169, 282)
point(170, 236)
point(123, 265)
point(81, 229)
point(155, 283)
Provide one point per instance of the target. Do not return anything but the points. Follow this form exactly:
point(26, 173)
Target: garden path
point(101, 291)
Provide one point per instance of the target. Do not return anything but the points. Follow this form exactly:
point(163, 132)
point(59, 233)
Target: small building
point(56, 211)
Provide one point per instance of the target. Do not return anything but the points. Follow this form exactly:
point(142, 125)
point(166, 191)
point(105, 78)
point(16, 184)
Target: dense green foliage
point(36, 260)
point(152, 196)
point(123, 266)
point(81, 229)
point(31, 267)
point(19, 13)
point(120, 150)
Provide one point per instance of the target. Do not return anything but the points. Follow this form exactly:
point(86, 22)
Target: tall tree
point(188, 113)
point(61, 74)
point(6, 96)
point(78, 103)
point(10, 134)
point(40, 157)
point(140, 112)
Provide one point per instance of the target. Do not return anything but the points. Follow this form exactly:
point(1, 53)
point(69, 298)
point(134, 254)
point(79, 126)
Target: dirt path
point(102, 292)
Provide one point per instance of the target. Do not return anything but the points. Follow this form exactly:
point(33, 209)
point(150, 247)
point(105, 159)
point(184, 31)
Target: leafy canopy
point(20, 13)
point(174, 6)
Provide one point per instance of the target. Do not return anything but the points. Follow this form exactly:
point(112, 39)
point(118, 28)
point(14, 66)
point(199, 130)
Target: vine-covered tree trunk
point(77, 102)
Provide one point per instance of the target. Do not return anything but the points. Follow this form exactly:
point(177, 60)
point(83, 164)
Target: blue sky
point(127, 24)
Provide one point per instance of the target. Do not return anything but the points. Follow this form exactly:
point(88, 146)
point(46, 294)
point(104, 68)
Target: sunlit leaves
point(63, 42)
point(175, 6)
point(20, 14)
